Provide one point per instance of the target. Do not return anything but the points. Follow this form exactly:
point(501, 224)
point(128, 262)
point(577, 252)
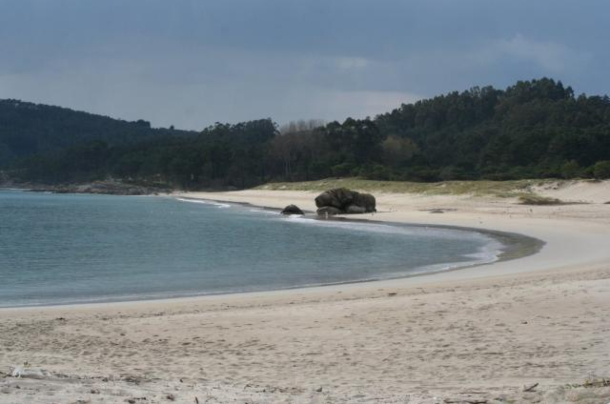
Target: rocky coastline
point(106, 187)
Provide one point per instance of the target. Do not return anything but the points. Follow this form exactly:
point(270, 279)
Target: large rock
point(338, 197)
point(292, 210)
point(342, 200)
point(329, 211)
point(366, 201)
point(355, 209)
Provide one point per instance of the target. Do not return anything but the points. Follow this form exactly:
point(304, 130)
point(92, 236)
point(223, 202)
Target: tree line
point(533, 129)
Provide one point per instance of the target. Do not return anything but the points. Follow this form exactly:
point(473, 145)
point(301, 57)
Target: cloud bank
point(190, 63)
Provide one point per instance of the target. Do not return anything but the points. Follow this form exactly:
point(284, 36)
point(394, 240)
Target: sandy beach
point(534, 329)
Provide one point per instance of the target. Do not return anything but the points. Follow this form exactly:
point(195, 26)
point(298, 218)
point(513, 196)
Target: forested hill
point(533, 129)
point(27, 128)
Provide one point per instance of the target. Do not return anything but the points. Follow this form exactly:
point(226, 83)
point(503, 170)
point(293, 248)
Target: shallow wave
point(488, 253)
point(407, 230)
point(205, 202)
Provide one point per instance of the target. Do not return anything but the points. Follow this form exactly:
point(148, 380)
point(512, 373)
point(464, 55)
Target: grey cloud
point(190, 63)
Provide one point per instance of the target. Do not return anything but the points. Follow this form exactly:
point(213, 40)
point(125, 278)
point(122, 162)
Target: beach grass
point(504, 189)
point(539, 200)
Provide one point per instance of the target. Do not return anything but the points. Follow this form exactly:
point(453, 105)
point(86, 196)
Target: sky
point(191, 63)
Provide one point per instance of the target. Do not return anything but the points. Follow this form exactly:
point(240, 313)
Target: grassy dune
point(505, 189)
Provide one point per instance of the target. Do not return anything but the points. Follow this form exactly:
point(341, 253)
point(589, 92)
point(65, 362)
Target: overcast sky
point(191, 63)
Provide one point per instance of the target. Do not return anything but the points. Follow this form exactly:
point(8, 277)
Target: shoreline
point(101, 187)
point(473, 335)
point(536, 247)
point(513, 246)
point(545, 229)
point(533, 263)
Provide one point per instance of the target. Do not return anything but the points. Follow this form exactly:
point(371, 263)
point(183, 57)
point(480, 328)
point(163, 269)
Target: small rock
point(133, 379)
point(319, 390)
point(292, 210)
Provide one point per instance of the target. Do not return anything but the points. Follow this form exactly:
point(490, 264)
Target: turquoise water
point(59, 248)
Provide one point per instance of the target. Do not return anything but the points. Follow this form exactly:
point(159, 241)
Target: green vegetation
point(533, 129)
point(221, 155)
point(601, 170)
point(27, 129)
point(503, 189)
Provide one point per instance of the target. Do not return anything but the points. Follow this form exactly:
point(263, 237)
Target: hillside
point(533, 129)
point(27, 129)
point(537, 128)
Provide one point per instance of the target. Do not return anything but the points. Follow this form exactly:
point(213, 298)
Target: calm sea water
point(57, 249)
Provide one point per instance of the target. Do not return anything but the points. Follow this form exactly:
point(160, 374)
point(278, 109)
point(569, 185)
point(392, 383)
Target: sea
point(74, 248)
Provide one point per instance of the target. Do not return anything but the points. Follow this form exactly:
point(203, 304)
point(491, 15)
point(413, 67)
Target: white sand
point(470, 335)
